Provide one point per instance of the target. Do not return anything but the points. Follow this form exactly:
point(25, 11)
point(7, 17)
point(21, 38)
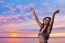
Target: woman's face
point(45, 21)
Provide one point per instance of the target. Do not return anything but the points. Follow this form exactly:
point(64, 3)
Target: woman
point(45, 27)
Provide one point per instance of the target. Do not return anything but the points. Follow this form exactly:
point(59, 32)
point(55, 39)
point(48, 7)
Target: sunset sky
point(15, 16)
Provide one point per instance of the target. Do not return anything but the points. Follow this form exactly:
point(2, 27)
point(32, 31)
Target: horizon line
point(30, 37)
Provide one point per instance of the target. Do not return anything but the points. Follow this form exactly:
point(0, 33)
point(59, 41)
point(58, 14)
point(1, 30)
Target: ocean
point(31, 40)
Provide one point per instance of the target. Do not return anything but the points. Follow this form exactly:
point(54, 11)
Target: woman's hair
point(47, 24)
point(47, 17)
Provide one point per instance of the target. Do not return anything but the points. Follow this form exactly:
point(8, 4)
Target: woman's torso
point(44, 33)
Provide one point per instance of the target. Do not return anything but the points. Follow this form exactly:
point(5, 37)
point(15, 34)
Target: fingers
point(33, 10)
point(57, 11)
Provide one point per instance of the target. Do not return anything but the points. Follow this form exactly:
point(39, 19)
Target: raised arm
point(35, 16)
point(53, 16)
point(52, 21)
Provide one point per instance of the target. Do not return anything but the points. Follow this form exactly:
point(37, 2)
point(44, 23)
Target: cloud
point(59, 21)
point(20, 7)
point(18, 26)
point(45, 4)
point(9, 19)
point(23, 7)
point(13, 22)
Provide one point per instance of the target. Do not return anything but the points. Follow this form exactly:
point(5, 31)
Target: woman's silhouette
point(45, 27)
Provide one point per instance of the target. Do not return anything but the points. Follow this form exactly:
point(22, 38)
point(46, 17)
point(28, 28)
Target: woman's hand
point(33, 10)
point(41, 32)
point(57, 11)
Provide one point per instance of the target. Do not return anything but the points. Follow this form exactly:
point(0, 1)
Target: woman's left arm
point(52, 21)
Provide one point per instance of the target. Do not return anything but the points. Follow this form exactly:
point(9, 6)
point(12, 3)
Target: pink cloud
point(45, 4)
point(12, 9)
point(26, 14)
point(12, 27)
point(61, 24)
point(20, 7)
point(29, 6)
point(59, 21)
point(16, 27)
point(4, 18)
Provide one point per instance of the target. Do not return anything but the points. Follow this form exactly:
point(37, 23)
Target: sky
point(16, 15)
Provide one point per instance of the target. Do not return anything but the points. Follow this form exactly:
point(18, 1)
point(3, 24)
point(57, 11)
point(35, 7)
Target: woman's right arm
point(36, 18)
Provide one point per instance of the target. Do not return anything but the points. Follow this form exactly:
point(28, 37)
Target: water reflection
point(30, 40)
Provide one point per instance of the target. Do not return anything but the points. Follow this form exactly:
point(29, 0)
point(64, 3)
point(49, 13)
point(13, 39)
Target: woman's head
point(46, 20)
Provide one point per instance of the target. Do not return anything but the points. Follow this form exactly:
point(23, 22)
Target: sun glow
point(52, 35)
point(14, 34)
point(57, 35)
